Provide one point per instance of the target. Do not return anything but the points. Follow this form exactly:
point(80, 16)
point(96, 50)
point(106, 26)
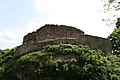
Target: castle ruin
point(60, 34)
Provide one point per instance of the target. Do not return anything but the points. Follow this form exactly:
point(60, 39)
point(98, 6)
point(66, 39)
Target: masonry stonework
point(57, 34)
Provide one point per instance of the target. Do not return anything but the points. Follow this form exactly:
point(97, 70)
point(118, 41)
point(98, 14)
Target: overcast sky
point(18, 17)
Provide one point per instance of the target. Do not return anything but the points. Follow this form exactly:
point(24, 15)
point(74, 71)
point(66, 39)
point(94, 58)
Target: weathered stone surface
point(29, 38)
point(94, 42)
point(0, 50)
point(54, 31)
point(48, 32)
point(57, 34)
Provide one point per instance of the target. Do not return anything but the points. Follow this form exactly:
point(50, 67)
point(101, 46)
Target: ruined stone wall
point(29, 38)
point(54, 34)
point(93, 42)
point(25, 48)
point(57, 31)
point(0, 50)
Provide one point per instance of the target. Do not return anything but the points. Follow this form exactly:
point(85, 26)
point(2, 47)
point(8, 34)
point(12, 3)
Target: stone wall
point(25, 48)
point(55, 31)
point(95, 43)
point(29, 38)
point(54, 34)
point(0, 50)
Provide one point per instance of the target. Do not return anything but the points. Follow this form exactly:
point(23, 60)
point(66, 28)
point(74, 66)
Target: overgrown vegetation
point(46, 64)
point(115, 40)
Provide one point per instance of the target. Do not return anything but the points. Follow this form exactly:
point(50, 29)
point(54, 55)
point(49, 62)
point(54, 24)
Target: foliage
point(113, 5)
point(115, 40)
point(47, 64)
point(6, 56)
point(118, 23)
point(111, 8)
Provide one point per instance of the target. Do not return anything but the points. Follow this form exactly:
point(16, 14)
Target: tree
point(118, 23)
point(115, 40)
point(114, 7)
point(111, 8)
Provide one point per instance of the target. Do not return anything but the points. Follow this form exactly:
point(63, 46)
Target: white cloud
point(83, 14)
point(9, 39)
point(33, 26)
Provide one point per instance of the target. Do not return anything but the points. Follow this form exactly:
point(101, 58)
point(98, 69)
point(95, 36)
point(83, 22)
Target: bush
point(115, 40)
point(87, 64)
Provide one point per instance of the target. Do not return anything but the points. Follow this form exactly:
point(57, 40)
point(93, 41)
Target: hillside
point(59, 62)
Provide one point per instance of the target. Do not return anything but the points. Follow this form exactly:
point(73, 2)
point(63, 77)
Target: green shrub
point(42, 65)
point(115, 40)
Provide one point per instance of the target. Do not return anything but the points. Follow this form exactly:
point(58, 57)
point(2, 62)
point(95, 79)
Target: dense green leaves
point(115, 40)
point(61, 62)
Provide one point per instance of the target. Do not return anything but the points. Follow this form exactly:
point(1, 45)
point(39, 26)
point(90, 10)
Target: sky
point(19, 17)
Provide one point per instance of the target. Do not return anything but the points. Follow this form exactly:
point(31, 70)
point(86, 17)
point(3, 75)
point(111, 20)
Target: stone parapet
point(61, 34)
point(102, 44)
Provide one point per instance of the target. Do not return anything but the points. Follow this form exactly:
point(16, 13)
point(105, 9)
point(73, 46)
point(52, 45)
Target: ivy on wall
point(87, 64)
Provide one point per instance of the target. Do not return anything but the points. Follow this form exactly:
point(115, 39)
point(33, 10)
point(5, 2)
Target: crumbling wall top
point(51, 31)
point(57, 34)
